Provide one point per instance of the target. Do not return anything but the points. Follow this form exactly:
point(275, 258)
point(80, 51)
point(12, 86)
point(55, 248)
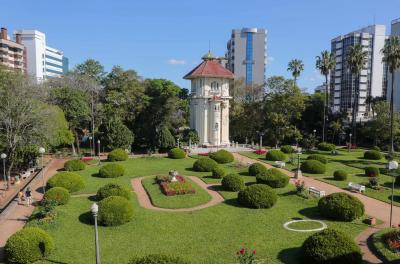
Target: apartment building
point(394, 31)
point(12, 53)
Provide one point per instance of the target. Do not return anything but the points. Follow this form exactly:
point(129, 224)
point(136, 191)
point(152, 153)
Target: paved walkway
point(145, 202)
point(373, 207)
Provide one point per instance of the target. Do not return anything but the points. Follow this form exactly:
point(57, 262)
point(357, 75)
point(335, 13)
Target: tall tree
point(295, 67)
point(325, 64)
point(91, 68)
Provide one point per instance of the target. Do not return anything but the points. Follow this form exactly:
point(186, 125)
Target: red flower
point(254, 252)
point(242, 251)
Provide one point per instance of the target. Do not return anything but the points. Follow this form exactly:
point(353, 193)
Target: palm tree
point(356, 61)
point(325, 64)
point(336, 127)
point(295, 67)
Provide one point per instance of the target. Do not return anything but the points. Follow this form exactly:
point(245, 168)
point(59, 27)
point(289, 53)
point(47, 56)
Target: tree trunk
point(353, 119)
point(325, 106)
point(78, 149)
point(391, 116)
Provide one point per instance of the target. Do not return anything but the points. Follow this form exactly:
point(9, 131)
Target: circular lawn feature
point(317, 223)
point(257, 196)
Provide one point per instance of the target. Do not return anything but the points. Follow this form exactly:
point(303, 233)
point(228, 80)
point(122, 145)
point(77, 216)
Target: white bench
point(316, 192)
point(357, 187)
point(280, 164)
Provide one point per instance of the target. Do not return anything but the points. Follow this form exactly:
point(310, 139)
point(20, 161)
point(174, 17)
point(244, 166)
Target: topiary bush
point(117, 155)
point(257, 196)
point(28, 245)
point(204, 164)
point(115, 210)
point(372, 155)
point(68, 180)
point(372, 171)
point(232, 183)
point(157, 259)
point(287, 149)
point(112, 189)
point(326, 146)
point(60, 195)
point(74, 165)
point(222, 156)
point(275, 155)
point(376, 148)
point(330, 247)
point(273, 178)
point(313, 167)
point(341, 206)
point(340, 175)
point(318, 157)
point(176, 153)
point(218, 172)
point(111, 170)
point(256, 168)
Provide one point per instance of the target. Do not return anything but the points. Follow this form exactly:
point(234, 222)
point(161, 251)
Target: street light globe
point(393, 165)
point(314, 130)
point(94, 208)
point(98, 141)
point(350, 134)
point(42, 150)
point(90, 138)
point(3, 155)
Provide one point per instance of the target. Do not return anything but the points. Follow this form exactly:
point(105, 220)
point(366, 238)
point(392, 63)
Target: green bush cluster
point(222, 156)
point(112, 189)
point(287, 149)
point(275, 155)
point(111, 170)
point(74, 165)
point(232, 182)
point(313, 167)
point(273, 178)
point(176, 153)
point(256, 168)
point(372, 171)
point(341, 207)
point(376, 148)
point(320, 158)
point(28, 245)
point(373, 155)
point(218, 172)
point(340, 175)
point(330, 247)
point(397, 180)
point(257, 196)
point(158, 259)
point(204, 164)
point(118, 155)
point(60, 195)
point(115, 210)
point(324, 146)
point(68, 180)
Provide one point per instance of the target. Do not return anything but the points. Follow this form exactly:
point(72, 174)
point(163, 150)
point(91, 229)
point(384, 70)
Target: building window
point(216, 126)
point(214, 86)
point(249, 58)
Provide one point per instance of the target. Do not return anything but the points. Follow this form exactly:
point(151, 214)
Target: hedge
point(376, 148)
point(340, 175)
point(330, 247)
point(115, 210)
point(111, 170)
point(112, 189)
point(74, 165)
point(341, 206)
point(222, 156)
point(313, 167)
point(372, 171)
point(257, 196)
point(28, 245)
point(58, 194)
point(326, 146)
point(176, 153)
point(118, 155)
point(218, 172)
point(232, 182)
point(204, 164)
point(275, 155)
point(157, 259)
point(373, 155)
point(397, 180)
point(287, 149)
point(273, 178)
point(256, 168)
point(68, 180)
point(318, 157)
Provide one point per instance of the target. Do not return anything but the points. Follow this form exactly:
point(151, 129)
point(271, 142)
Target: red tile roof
point(210, 67)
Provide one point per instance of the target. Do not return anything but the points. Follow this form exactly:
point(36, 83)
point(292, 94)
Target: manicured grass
point(177, 201)
point(305, 225)
point(381, 247)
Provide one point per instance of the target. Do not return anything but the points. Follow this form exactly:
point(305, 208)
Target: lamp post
point(95, 210)
point(90, 144)
point(41, 152)
point(3, 156)
point(350, 141)
point(98, 144)
point(298, 173)
point(393, 165)
point(261, 134)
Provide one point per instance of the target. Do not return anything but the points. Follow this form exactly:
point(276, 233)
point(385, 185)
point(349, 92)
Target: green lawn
point(211, 235)
point(177, 201)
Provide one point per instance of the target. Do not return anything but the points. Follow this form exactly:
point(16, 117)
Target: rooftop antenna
point(209, 46)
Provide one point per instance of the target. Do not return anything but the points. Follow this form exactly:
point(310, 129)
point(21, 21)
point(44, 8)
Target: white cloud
point(270, 59)
point(176, 62)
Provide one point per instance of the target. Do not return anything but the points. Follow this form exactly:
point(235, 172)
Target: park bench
point(357, 187)
point(314, 191)
point(280, 164)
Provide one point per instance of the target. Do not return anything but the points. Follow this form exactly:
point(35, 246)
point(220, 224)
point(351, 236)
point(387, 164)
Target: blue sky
point(166, 39)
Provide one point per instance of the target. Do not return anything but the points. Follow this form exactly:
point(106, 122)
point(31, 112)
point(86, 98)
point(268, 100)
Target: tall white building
point(372, 82)
point(43, 61)
point(395, 31)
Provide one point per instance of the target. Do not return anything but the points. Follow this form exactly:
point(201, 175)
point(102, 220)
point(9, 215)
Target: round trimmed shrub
point(218, 172)
point(115, 210)
point(74, 165)
point(28, 245)
point(257, 196)
point(372, 171)
point(111, 170)
point(58, 194)
point(256, 168)
point(376, 148)
point(397, 181)
point(117, 155)
point(324, 146)
point(313, 167)
point(222, 156)
point(287, 149)
point(330, 247)
point(232, 182)
point(341, 206)
point(340, 175)
point(204, 164)
point(275, 155)
point(68, 180)
point(158, 259)
point(318, 157)
point(372, 155)
point(112, 189)
point(273, 178)
point(176, 153)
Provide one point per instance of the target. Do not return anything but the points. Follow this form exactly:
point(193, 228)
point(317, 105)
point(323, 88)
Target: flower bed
point(392, 240)
point(203, 154)
point(179, 187)
point(260, 151)
point(86, 159)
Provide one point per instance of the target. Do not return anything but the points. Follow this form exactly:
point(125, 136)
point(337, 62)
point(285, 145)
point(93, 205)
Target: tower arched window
point(216, 126)
point(214, 86)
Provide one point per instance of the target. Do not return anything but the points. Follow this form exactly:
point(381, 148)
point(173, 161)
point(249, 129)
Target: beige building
point(12, 54)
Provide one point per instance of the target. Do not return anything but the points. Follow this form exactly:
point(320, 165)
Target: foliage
point(295, 66)
point(232, 182)
point(176, 153)
point(257, 196)
point(246, 256)
point(313, 167)
point(222, 156)
point(373, 155)
point(218, 172)
point(115, 210)
point(340, 175)
point(46, 212)
point(57, 194)
point(397, 181)
point(318, 157)
point(117, 155)
point(164, 138)
point(111, 170)
point(204, 164)
point(273, 178)
point(376, 148)
point(74, 165)
point(90, 68)
point(191, 135)
point(371, 171)
point(287, 149)
point(26, 156)
point(68, 180)
point(60, 133)
point(112, 189)
point(326, 146)
point(157, 259)
point(256, 168)
point(114, 134)
point(301, 189)
point(275, 155)
point(341, 207)
point(392, 240)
